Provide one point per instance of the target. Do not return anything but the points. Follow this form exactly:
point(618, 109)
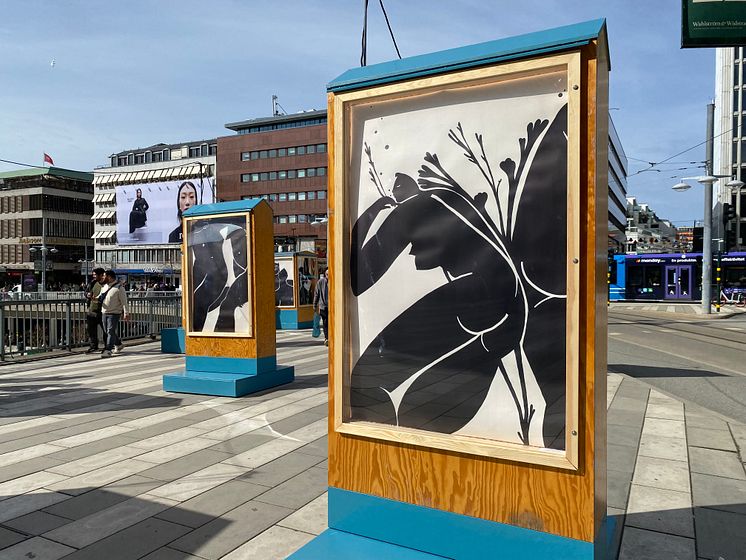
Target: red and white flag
point(48, 159)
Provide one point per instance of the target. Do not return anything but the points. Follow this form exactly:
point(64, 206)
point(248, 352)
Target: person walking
point(321, 303)
point(93, 316)
point(114, 307)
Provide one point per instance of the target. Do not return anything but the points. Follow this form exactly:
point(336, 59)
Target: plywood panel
point(537, 497)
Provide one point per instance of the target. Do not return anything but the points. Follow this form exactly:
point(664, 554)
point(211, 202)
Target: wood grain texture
point(262, 341)
point(562, 502)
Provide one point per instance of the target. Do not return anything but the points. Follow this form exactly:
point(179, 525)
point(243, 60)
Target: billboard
point(150, 213)
point(713, 23)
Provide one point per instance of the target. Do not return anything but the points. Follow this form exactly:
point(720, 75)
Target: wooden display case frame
point(341, 108)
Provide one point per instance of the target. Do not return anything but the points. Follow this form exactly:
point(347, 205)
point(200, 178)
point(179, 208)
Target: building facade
point(730, 143)
point(45, 218)
point(618, 172)
point(646, 232)
point(282, 159)
point(139, 240)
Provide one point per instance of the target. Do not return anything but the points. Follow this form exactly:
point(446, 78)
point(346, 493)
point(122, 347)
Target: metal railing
point(40, 325)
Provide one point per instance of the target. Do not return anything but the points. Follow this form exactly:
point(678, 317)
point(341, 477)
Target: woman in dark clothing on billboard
point(138, 214)
point(186, 197)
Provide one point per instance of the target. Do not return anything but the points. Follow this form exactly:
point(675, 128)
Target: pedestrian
point(321, 303)
point(93, 316)
point(114, 307)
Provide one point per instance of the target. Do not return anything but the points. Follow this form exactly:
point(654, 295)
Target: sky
point(136, 73)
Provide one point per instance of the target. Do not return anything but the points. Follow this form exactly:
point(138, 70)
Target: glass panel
point(292, 196)
point(671, 281)
point(282, 174)
point(684, 282)
point(321, 148)
point(301, 150)
point(273, 153)
point(311, 195)
point(282, 152)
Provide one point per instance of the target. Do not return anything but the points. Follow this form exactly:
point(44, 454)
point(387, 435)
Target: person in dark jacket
point(321, 303)
point(93, 315)
point(138, 215)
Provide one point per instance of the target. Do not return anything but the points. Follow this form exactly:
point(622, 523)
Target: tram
point(672, 276)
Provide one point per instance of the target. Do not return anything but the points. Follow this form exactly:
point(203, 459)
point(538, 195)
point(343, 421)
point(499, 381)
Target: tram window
point(634, 278)
point(653, 277)
point(612, 271)
point(735, 277)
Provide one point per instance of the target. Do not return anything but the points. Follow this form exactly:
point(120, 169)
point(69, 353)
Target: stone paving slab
point(108, 466)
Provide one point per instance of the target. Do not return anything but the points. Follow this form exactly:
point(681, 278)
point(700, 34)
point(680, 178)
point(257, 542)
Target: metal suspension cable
point(364, 39)
point(391, 31)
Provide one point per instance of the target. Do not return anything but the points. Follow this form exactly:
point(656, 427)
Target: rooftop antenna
point(276, 107)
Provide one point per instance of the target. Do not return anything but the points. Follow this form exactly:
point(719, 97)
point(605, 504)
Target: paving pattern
point(97, 462)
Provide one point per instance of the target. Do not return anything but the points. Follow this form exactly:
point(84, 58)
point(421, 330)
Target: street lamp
point(707, 181)
point(43, 250)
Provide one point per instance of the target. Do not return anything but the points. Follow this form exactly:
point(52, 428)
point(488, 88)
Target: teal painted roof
point(481, 54)
point(223, 207)
point(51, 171)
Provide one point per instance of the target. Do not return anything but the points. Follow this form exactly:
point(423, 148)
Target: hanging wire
point(364, 38)
point(364, 41)
point(391, 31)
point(23, 164)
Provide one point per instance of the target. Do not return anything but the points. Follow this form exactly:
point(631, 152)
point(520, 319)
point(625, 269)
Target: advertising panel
point(460, 285)
point(150, 213)
point(284, 282)
point(219, 270)
point(713, 23)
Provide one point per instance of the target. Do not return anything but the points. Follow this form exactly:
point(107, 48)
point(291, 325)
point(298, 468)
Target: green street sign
point(713, 23)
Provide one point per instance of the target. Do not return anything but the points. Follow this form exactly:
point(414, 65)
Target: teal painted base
point(397, 529)
point(287, 319)
point(227, 377)
point(172, 341)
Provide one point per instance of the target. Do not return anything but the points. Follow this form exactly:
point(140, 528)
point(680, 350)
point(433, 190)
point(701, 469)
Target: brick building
point(284, 160)
point(46, 208)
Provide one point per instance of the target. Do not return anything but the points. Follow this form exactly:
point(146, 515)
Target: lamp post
point(43, 250)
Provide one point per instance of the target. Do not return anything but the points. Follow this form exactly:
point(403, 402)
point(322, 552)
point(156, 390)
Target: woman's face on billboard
point(187, 198)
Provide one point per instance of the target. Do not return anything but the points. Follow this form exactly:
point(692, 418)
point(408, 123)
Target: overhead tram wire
point(655, 164)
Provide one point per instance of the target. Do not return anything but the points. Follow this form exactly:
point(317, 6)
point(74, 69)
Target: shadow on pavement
point(642, 372)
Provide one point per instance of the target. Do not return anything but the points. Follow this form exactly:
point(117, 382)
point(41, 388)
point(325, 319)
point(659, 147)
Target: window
point(263, 176)
point(282, 197)
point(301, 173)
point(254, 155)
point(291, 151)
point(302, 218)
point(291, 174)
point(122, 160)
point(265, 196)
point(321, 171)
point(292, 196)
point(301, 196)
point(282, 152)
point(311, 149)
point(272, 197)
point(194, 152)
point(301, 150)
point(245, 177)
point(321, 148)
point(272, 175)
point(311, 195)
point(157, 156)
point(254, 177)
point(272, 153)
point(139, 158)
point(203, 150)
point(321, 195)
point(213, 149)
point(148, 157)
point(166, 155)
point(113, 161)
point(131, 159)
point(245, 156)
point(282, 174)
point(311, 172)
point(263, 154)
point(292, 219)
point(283, 219)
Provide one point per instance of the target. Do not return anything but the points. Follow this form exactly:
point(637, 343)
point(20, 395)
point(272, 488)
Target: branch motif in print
point(433, 366)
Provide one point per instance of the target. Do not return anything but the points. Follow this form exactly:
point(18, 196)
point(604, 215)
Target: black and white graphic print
point(218, 254)
point(458, 262)
point(284, 282)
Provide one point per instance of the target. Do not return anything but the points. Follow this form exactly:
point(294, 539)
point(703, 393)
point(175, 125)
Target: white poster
point(150, 213)
point(458, 203)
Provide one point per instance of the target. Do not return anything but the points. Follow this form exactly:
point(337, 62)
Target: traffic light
point(730, 238)
point(729, 212)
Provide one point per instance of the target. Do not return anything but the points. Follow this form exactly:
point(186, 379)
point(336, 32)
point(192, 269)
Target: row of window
point(292, 196)
point(280, 175)
point(149, 156)
point(11, 204)
point(10, 229)
point(298, 218)
point(11, 254)
point(60, 204)
point(282, 125)
point(284, 152)
point(62, 228)
point(136, 256)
